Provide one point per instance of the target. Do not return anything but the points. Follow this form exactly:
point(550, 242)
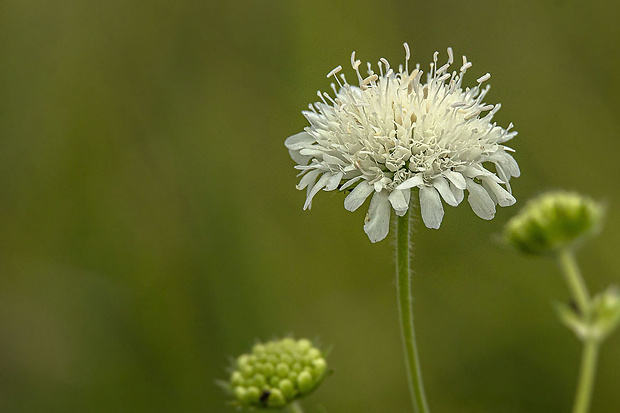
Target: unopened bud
point(276, 373)
point(554, 221)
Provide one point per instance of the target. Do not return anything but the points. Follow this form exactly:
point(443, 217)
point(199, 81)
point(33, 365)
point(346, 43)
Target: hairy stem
point(586, 376)
point(589, 354)
point(403, 275)
point(577, 287)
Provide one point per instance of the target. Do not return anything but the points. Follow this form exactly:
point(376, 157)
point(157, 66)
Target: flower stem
point(589, 354)
point(295, 407)
point(403, 274)
point(586, 376)
point(574, 280)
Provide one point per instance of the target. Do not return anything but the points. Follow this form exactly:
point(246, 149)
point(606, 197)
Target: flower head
point(395, 132)
point(554, 221)
point(276, 373)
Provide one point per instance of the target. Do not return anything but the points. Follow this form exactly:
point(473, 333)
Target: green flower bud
point(252, 395)
point(320, 365)
point(275, 398)
point(268, 369)
point(276, 373)
point(304, 382)
point(274, 381)
point(287, 388)
point(553, 221)
point(282, 369)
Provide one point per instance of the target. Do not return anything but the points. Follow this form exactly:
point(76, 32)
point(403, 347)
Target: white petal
point(312, 151)
point(332, 160)
point(400, 212)
point(399, 198)
point(316, 188)
point(502, 196)
point(357, 196)
point(459, 194)
point(510, 165)
point(443, 188)
point(333, 181)
point(507, 163)
point(299, 141)
point(411, 182)
point(350, 182)
point(502, 175)
point(377, 222)
point(480, 201)
point(473, 171)
point(456, 178)
point(299, 158)
point(430, 207)
point(308, 179)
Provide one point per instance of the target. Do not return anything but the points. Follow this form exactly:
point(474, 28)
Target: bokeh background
point(150, 228)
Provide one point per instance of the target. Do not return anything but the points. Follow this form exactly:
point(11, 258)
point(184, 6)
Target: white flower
point(393, 133)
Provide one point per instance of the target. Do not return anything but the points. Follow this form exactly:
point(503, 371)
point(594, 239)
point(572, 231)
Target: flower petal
point(509, 164)
point(377, 222)
point(357, 196)
point(431, 207)
point(411, 182)
point(312, 191)
point(350, 182)
point(332, 160)
point(399, 198)
point(480, 201)
point(296, 143)
point(474, 171)
point(443, 188)
point(456, 178)
point(308, 179)
point(400, 212)
point(502, 196)
point(299, 158)
point(459, 194)
point(333, 181)
point(299, 141)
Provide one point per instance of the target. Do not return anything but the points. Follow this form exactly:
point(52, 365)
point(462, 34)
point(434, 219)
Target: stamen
point(466, 64)
point(334, 71)
point(329, 97)
point(407, 56)
point(368, 80)
point(442, 69)
point(483, 78)
point(450, 56)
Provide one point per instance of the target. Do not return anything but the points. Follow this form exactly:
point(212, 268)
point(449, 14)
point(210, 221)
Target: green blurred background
point(150, 226)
